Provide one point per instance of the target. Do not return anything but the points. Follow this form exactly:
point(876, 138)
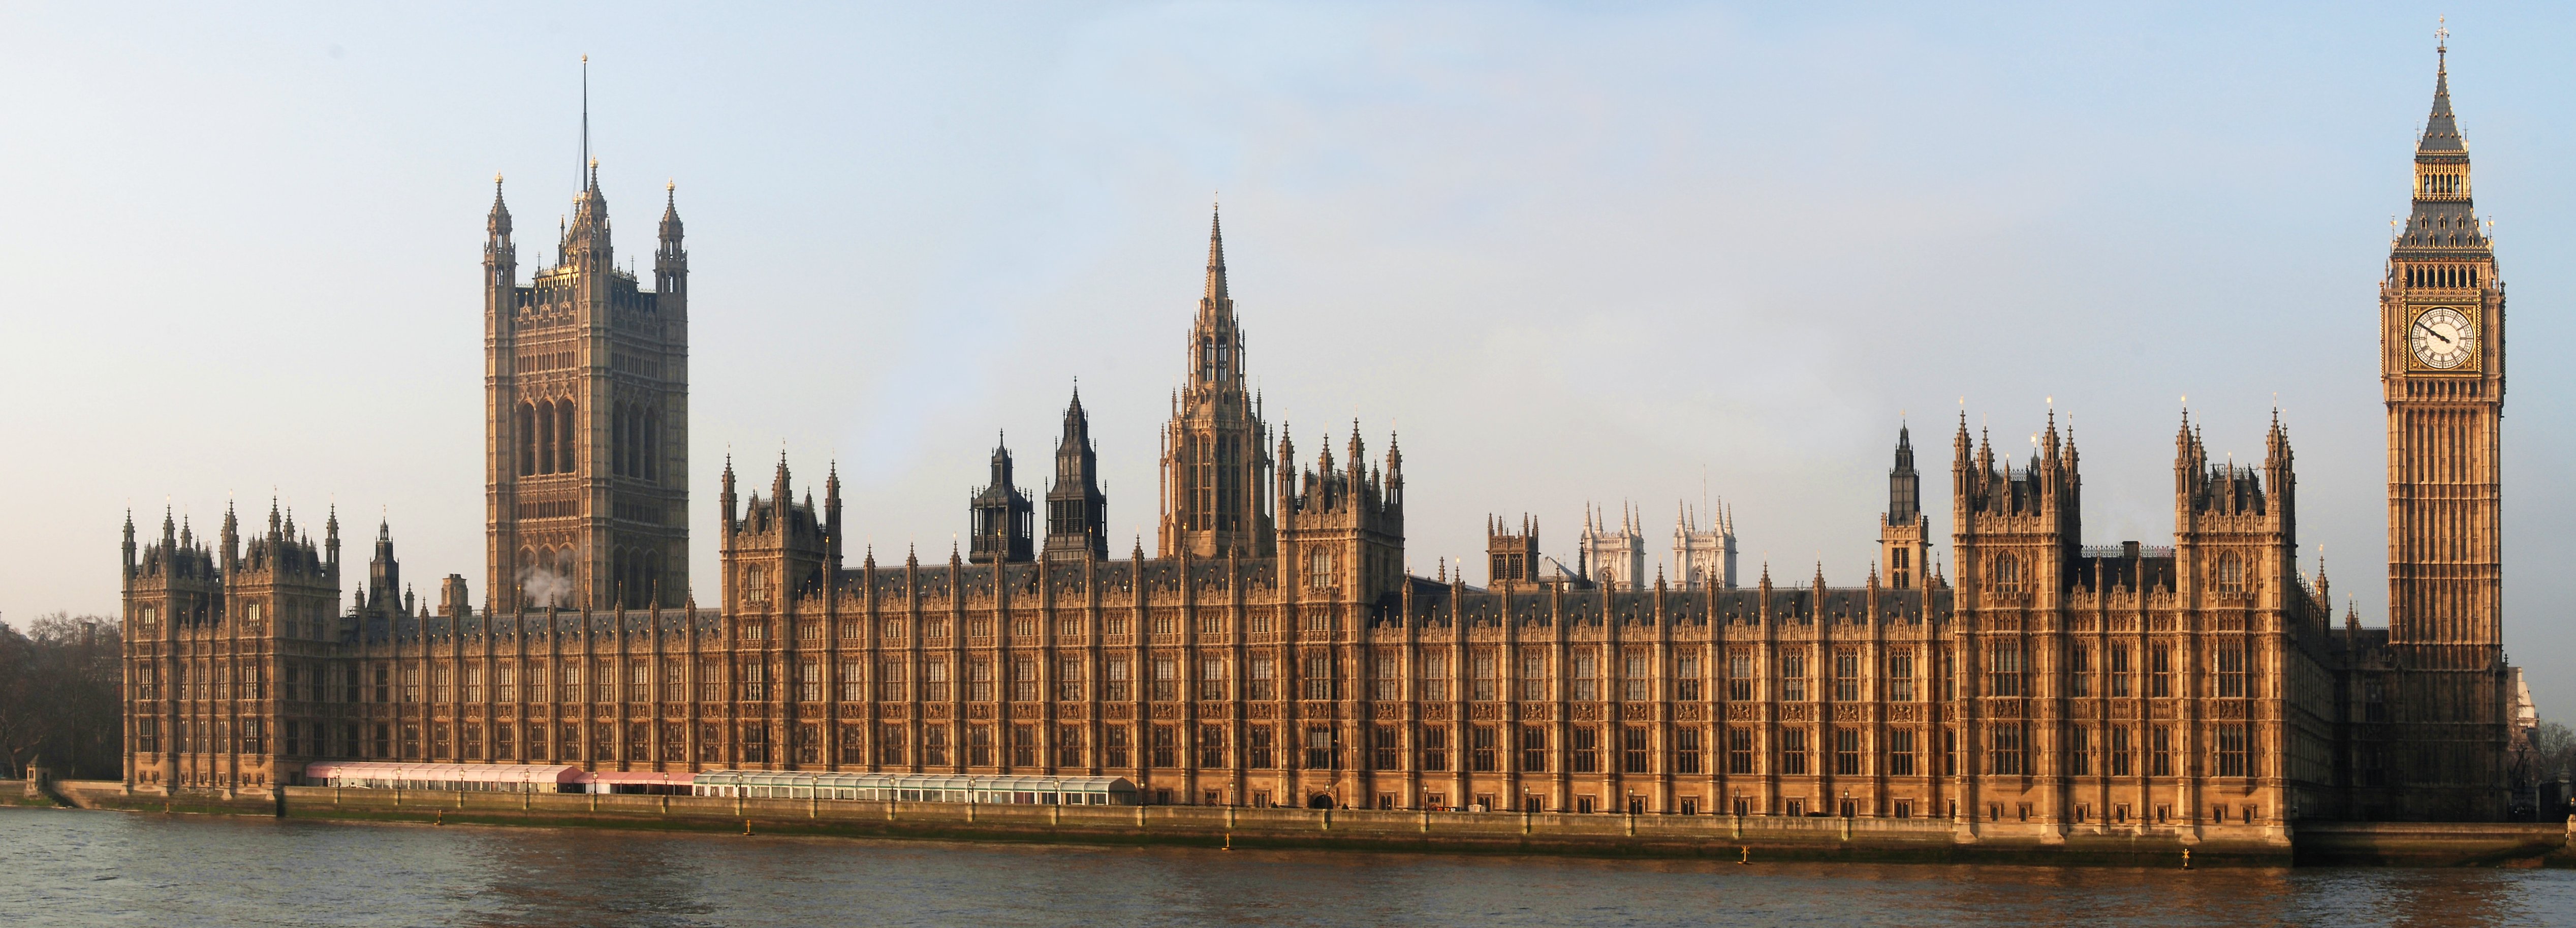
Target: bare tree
point(59, 697)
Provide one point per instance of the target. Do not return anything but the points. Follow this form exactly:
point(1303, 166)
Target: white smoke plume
point(541, 587)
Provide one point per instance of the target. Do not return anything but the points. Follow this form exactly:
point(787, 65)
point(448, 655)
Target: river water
point(62, 867)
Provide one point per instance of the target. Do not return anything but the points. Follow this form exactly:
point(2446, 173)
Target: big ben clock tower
point(2441, 317)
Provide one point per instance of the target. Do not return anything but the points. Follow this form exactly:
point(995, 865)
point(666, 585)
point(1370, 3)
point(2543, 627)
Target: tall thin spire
point(2441, 128)
point(1216, 296)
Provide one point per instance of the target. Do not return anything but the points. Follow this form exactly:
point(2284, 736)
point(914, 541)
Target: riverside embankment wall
point(1705, 836)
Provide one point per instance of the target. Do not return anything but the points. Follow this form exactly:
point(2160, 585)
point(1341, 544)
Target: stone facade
point(1276, 651)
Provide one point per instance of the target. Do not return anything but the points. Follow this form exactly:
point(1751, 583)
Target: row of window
point(2116, 751)
point(2232, 670)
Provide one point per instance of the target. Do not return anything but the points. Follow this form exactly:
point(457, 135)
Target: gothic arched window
point(1319, 568)
point(2007, 574)
point(545, 437)
point(527, 423)
point(565, 433)
point(2231, 573)
point(618, 435)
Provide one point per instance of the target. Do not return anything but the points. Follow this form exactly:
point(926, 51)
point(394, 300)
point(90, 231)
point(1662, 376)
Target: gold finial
point(2442, 34)
point(670, 185)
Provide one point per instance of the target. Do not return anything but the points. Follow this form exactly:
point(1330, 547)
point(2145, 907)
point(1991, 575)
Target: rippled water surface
point(99, 868)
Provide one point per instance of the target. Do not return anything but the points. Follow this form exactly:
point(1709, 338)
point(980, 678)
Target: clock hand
point(2429, 331)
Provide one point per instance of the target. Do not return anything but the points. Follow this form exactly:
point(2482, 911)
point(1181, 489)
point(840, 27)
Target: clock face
point(2442, 337)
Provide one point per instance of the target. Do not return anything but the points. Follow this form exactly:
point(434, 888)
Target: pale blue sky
point(1575, 252)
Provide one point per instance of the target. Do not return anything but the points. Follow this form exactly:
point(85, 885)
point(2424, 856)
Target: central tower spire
point(1216, 466)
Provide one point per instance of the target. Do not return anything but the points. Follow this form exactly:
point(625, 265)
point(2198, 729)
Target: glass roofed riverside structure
point(2026, 684)
point(917, 787)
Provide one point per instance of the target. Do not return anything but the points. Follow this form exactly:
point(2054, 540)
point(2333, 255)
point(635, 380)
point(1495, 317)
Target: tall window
point(1119, 686)
point(1068, 678)
point(2120, 752)
point(1024, 679)
point(1113, 746)
point(809, 681)
point(1319, 568)
point(979, 745)
point(1686, 676)
point(1587, 749)
point(1793, 675)
point(1739, 674)
point(1482, 748)
point(567, 431)
point(2159, 671)
point(1319, 748)
point(1900, 675)
point(854, 681)
point(2160, 751)
point(890, 745)
point(527, 428)
point(2007, 574)
point(1258, 749)
point(675, 681)
point(1846, 675)
point(2120, 670)
point(1212, 747)
point(1739, 750)
point(890, 679)
point(2079, 751)
point(411, 683)
point(934, 680)
point(1319, 676)
point(1793, 751)
point(1638, 678)
point(1534, 748)
point(755, 681)
point(2006, 758)
point(1167, 748)
point(1024, 746)
point(1167, 678)
point(1212, 678)
point(1387, 744)
point(2003, 668)
point(1686, 750)
point(1435, 747)
point(2231, 573)
point(1265, 679)
point(1435, 676)
point(1485, 683)
point(1386, 678)
point(2231, 670)
point(2232, 752)
point(1900, 752)
point(979, 680)
point(1846, 752)
point(1587, 676)
point(1633, 749)
point(1533, 675)
point(1068, 747)
point(2079, 670)
point(473, 681)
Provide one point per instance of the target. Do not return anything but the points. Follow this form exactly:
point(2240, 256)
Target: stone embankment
point(1759, 838)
